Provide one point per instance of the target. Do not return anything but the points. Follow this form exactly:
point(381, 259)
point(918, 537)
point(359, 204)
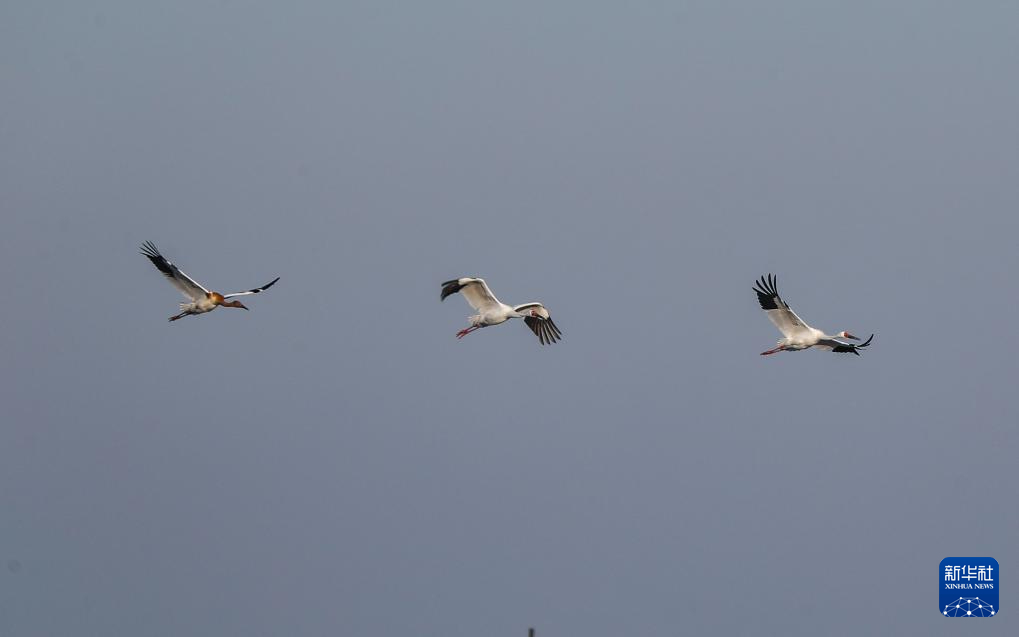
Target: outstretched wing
point(841, 347)
point(473, 289)
point(255, 291)
point(777, 310)
point(540, 322)
point(187, 286)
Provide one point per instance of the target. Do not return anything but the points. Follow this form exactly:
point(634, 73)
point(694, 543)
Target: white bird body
point(495, 315)
point(492, 311)
point(796, 334)
point(200, 300)
point(200, 305)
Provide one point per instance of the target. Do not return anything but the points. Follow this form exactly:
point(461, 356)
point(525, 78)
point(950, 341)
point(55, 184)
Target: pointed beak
point(850, 336)
point(239, 304)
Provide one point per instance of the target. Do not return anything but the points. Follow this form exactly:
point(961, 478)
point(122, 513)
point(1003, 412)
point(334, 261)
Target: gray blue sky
point(335, 462)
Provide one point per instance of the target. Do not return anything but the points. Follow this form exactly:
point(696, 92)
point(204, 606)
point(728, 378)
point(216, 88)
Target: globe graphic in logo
point(969, 607)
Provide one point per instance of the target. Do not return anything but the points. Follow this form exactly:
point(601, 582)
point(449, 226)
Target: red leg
point(464, 332)
point(772, 351)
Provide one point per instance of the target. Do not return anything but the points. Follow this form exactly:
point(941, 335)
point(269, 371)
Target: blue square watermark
point(969, 586)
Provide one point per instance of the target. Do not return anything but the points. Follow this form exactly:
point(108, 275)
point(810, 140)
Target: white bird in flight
point(493, 312)
point(798, 335)
point(201, 300)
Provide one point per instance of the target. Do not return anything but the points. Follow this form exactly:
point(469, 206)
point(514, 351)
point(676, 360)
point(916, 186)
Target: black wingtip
point(851, 348)
point(546, 331)
point(450, 287)
point(767, 292)
point(150, 252)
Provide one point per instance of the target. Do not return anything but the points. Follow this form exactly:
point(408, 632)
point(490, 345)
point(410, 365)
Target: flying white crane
point(492, 312)
point(201, 300)
point(798, 335)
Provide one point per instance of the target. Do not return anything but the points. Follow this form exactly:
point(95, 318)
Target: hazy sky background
point(335, 462)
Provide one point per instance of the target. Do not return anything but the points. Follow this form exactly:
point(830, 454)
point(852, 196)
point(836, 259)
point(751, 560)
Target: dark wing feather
point(845, 348)
point(767, 294)
point(149, 250)
point(450, 287)
point(546, 330)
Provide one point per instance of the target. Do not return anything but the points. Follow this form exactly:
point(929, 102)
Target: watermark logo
point(969, 586)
